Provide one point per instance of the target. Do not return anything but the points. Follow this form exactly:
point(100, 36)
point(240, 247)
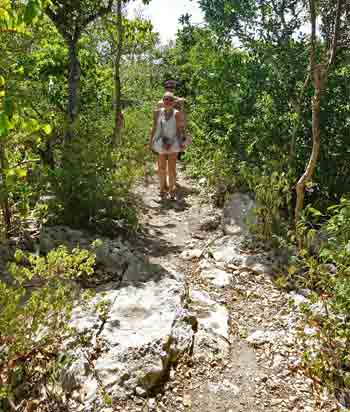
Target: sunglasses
point(168, 99)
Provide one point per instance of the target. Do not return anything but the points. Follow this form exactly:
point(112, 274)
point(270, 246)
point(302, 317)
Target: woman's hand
point(150, 144)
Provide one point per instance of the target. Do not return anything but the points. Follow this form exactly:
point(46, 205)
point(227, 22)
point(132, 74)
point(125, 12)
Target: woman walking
point(167, 139)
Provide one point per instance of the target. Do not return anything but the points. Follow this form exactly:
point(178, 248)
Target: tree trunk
point(316, 144)
point(73, 88)
point(316, 74)
point(118, 120)
point(4, 201)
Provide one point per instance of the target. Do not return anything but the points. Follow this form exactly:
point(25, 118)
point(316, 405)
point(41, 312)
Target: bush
point(327, 274)
point(93, 182)
point(35, 310)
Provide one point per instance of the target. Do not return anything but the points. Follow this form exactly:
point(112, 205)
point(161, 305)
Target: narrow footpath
point(192, 318)
point(246, 354)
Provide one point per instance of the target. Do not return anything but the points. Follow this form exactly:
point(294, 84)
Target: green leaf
point(330, 208)
point(32, 125)
point(2, 81)
point(9, 106)
point(10, 173)
point(18, 255)
point(4, 17)
point(314, 211)
point(32, 10)
point(19, 70)
point(292, 269)
point(47, 129)
point(21, 172)
point(4, 124)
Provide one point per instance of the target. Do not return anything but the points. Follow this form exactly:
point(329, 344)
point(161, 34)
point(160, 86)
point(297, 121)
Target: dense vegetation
point(263, 92)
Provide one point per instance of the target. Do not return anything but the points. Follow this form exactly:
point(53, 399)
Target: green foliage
point(251, 123)
point(249, 111)
point(251, 19)
point(338, 225)
point(35, 310)
point(272, 193)
point(93, 183)
point(14, 34)
point(138, 36)
point(88, 182)
point(326, 273)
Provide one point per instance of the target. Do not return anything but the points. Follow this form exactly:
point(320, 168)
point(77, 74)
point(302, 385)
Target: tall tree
point(117, 83)
point(123, 36)
point(319, 75)
point(71, 17)
point(269, 30)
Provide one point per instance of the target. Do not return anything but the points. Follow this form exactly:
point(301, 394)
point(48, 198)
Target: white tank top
point(166, 128)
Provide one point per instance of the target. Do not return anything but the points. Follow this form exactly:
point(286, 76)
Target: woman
point(167, 140)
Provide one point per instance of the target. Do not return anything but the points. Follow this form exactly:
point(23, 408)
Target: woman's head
point(168, 99)
point(170, 85)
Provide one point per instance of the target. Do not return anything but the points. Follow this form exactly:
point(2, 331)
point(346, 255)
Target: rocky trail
point(194, 321)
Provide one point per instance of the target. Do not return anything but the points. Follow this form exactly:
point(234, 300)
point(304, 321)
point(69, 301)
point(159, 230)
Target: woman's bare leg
point(162, 172)
point(172, 173)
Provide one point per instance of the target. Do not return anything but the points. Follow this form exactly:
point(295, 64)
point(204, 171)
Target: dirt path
point(247, 354)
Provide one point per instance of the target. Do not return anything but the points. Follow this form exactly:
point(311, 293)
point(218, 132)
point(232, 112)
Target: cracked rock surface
point(194, 321)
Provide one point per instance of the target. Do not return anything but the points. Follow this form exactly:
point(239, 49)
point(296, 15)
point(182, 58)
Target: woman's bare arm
point(154, 126)
point(180, 124)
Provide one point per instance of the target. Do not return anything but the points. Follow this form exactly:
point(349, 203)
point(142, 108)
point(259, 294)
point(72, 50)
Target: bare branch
point(336, 33)
point(313, 35)
point(56, 21)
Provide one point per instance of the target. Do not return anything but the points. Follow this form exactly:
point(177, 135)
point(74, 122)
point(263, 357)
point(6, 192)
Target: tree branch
point(56, 21)
point(335, 34)
point(101, 12)
point(313, 35)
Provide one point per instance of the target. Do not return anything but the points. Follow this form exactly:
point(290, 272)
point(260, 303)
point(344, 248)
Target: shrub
point(35, 310)
point(327, 274)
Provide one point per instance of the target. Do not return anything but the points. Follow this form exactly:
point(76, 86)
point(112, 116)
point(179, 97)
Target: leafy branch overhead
point(274, 21)
point(71, 17)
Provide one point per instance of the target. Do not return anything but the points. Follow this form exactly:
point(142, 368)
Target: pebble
point(187, 401)
point(191, 254)
point(140, 391)
point(152, 404)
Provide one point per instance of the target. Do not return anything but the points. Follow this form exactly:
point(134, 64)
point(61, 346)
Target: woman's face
point(168, 101)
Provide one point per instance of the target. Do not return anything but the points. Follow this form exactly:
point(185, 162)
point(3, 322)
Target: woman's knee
point(162, 164)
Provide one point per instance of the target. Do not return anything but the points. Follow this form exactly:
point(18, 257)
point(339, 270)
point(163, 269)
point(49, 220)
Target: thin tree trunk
point(316, 145)
point(73, 88)
point(316, 73)
point(118, 121)
point(319, 75)
point(4, 200)
point(60, 16)
point(297, 106)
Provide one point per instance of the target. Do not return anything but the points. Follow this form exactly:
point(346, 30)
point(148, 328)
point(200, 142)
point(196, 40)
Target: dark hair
point(170, 82)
